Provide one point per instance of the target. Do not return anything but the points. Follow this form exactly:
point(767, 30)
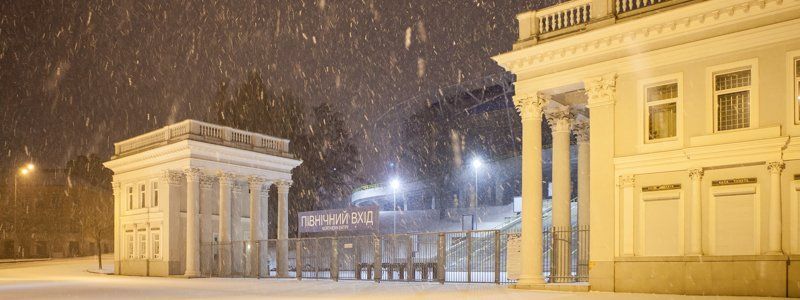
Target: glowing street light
point(395, 185)
point(24, 171)
point(477, 163)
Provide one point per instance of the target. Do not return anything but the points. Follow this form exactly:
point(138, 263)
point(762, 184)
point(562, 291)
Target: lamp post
point(395, 185)
point(24, 171)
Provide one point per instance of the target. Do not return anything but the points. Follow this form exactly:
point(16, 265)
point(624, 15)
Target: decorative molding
point(627, 181)
point(601, 90)
point(648, 29)
point(529, 106)
point(258, 183)
point(580, 128)
point(663, 187)
point(226, 178)
point(775, 167)
point(559, 118)
point(172, 177)
point(193, 174)
point(283, 185)
point(696, 174)
point(206, 182)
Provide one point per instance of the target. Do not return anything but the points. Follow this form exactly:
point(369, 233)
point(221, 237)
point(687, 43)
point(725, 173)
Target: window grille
point(130, 197)
point(130, 246)
point(732, 100)
point(154, 189)
point(142, 245)
point(797, 90)
point(156, 244)
point(141, 196)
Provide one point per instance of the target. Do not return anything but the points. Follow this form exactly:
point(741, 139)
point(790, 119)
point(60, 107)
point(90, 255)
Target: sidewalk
point(20, 260)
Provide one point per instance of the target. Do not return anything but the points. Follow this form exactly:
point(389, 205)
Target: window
point(142, 244)
point(130, 197)
point(142, 203)
point(797, 90)
point(154, 192)
point(732, 93)
point(130, 246)
point(661, 111)
point(156, 243)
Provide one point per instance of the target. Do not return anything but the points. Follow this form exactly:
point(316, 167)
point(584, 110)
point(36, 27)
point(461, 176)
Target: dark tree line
point(331, 165)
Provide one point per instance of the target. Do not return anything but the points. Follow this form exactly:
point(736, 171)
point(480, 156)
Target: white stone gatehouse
point(212, 178)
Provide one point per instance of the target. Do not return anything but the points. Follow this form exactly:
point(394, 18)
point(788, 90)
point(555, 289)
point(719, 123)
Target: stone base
point(560, 287)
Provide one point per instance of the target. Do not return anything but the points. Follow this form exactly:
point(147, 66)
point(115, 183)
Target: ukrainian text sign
point(349, 219)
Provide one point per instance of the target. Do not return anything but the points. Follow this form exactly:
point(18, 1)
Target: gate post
point(410, 273)
point(335, 259)
point(441, 256)
point(298, 263)
point(469, 256)
point(497, 256)
point(377, 259)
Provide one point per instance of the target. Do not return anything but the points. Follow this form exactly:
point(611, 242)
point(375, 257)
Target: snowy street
point(68, 279)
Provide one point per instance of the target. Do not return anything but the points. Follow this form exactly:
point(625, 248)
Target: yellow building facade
point(694, 139)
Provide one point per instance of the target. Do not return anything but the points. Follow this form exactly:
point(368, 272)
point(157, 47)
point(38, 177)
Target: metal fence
point(566, 254)
point(478, 256)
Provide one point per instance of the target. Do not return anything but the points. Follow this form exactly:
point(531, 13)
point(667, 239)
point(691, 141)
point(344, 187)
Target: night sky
point(76, 76)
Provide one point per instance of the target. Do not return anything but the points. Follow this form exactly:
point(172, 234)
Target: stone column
point(601, 98)
point(559, 119)
point(695, 235)
point(237, 231)
point(283, 228)
point(530, 109)
point(258, 228)
point(206, 226)
point(192, 222)
point(225, 184)
point(774, 245)
point(581, 130)
point(627, 183)
point(118, 248)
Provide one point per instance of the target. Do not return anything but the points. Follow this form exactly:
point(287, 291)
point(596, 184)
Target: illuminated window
point(142, 202)
point(130, 197)
point(732, 93)
point(155, 243)
point(661, 111)
point(154, 192)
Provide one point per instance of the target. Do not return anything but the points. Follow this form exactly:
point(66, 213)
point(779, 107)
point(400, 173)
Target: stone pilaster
point(627, 183)
point(774, 245)
point(695, 235)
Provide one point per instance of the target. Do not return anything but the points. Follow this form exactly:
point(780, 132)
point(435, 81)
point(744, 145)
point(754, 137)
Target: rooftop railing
point(576, 15)
point(205, 132)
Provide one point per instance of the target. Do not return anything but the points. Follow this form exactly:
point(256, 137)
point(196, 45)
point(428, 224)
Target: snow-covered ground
point(68, 279)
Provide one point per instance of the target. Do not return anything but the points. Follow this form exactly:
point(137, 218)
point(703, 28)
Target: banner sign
point(349, 219)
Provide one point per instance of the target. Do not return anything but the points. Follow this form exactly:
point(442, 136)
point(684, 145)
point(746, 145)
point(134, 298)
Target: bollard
point(377, 259)
point(299, 264)
point(497, 256)
point(335, 259)
point(441, 258)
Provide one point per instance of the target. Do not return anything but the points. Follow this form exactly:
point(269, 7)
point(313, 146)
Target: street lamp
point(477, 163)
point(395, 185)
point(24, 171)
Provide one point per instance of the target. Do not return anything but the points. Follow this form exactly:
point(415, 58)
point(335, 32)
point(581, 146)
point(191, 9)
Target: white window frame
point(155, 239)
point(643, 142)
point(142, 253)
point(711, 93)
point(154, 199)
point(130, 244)
point(131, 203)
point(142, 195)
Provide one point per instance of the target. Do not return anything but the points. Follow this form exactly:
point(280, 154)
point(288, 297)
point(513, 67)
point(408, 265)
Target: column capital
point(258, 183)
point(193, 174)
point(530, 106)
point(559, 118)
point(775, 167)
point(226, 177)
point(207, 181)
point(116, 185)
point(601, 90)
point(696, 174)
point(580, 128)
point(284, 184)
point(627, 181)
point(172, 177)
